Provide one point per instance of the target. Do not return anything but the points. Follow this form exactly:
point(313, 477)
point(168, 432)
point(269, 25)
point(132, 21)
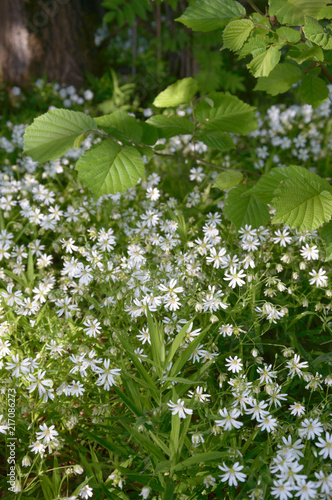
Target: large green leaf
point(313, 90)
point(264, 190)
point(247, 209)
point(180, 92)
point(303, 204)
point(208, 15)
point(216, 139)
point(226, 113)
point(254, 46)
point(54, 133)
point(263, 64)
point(172, 125)
point(236, 33)
point(228, 179)
point(326, 235)
point(292, 35)
point(121, 126)
point(305, 52)
point(109, 168)
point(316, 33)
point(293, 12)
point(281, 79)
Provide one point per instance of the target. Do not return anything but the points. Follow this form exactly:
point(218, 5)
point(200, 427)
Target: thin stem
point(325, 73)
point(223, 168)
point(253, 6)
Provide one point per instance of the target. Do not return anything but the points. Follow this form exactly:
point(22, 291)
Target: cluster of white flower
point(78, 278)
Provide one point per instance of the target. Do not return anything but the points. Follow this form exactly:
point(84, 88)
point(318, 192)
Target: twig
point(223, 168)
point(325, 72)
point(253, 6)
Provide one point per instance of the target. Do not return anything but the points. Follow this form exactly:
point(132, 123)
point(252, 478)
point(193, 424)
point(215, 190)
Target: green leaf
point(30, 269)
point(54, 133)
point(177, 342)
point(228, 179)
point(128, 402)
point(180, 92)
point(281, 79)
point(254, 46)
point(313, 90)
point(291, 35)
point(216, 139)
point(121, 126)
point(200, 458)
point(316, 33)
point(236, 33)
point(169, 490)
point(175, 432)
point(144, 441)
point(172, 125)
point(263, 64)
point(326, 235)
point(226, 113)
point(150, 134)
point(264, 190)
point(293, 12)
point(304, 52)
point(266, 186)
point(247, 209)
point(157, 341)
point(109, 168)
point(209, 15)
point(185, 355)
point(302, 203)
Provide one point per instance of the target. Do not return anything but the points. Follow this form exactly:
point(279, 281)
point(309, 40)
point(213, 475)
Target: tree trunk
point(15, 51)
point(48, 37)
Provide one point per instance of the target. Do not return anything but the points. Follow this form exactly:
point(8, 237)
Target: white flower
point(257, 410)
point(268, 423)
point(310, 428)
point(209, 481)
point(179, 408)
point(199, 396)
point(107, 374)
point(326, 445)
point(47, 433)
point(297, 409)
point(93, 327)
point(229, 419)
point(281, 490)
point(282, 237)
point(305, 490)
point(216, 258)
point(146, 490)
point(197, 174)
point(295, 366)
point(234, 364)
point(37, 447)
point(309, 253)
point(76, 389)
point(153, 193)
point(86, 492)
point(324, 482)
point(232, 474)
point(319, 278)
point(235, 277)
point(3, 426)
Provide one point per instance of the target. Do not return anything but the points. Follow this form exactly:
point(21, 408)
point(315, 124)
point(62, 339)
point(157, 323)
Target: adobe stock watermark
point(48, 10)
point(11, 439)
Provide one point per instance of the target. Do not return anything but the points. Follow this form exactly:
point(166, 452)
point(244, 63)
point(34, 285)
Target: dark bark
point(48, 37)
point(15, 48)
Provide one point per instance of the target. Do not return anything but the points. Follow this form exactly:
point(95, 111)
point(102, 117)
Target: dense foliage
point(165, 274)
